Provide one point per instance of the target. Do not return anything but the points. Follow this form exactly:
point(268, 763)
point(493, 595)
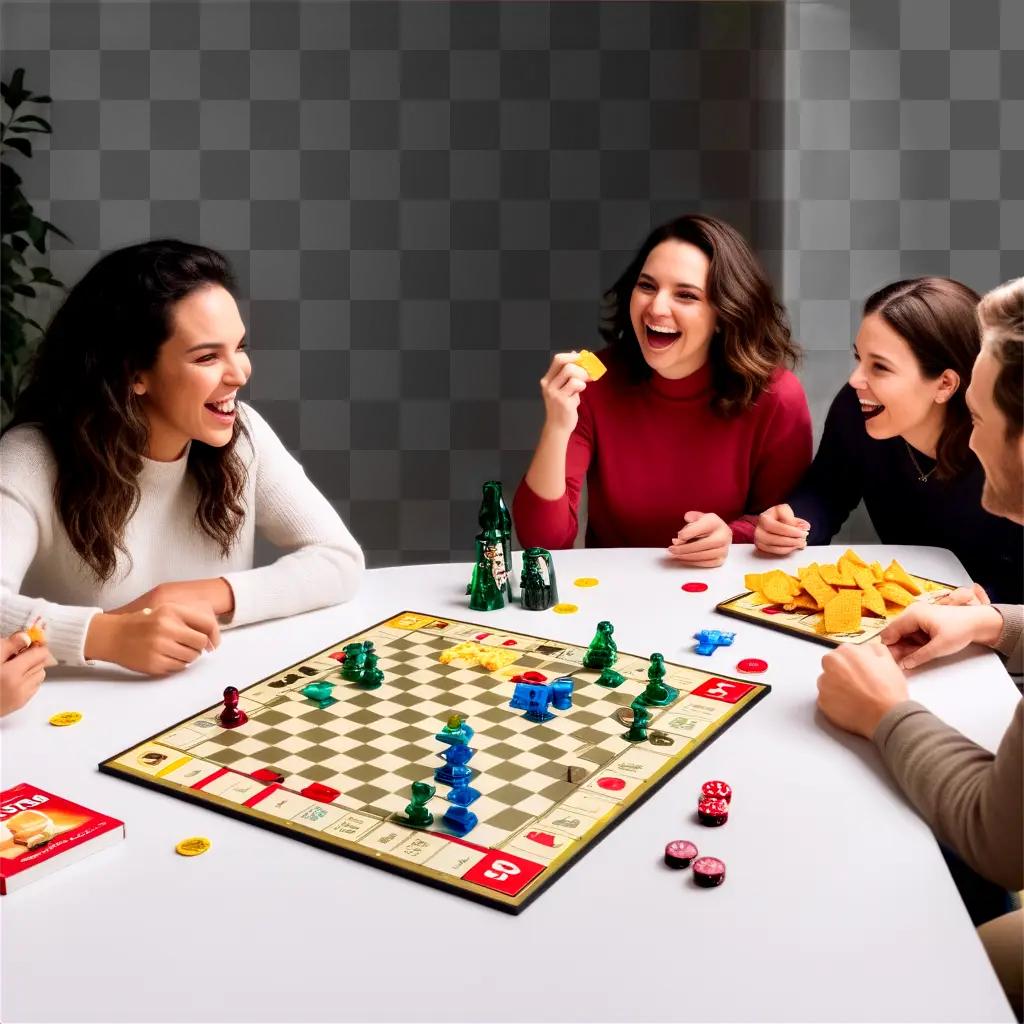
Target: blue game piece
point(561, 693)
point(462, 794)
point(709, 640)
point(533, 698)
point(455, 769)
point(459, 820)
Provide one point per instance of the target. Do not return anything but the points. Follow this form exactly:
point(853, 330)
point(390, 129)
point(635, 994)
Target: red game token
point(717, 790)
point(708, 872)
point(712, 811)
point(695, 588)
point(752, 665)
point(679, 853)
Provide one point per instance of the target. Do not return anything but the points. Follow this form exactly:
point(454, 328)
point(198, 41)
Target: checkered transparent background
point(423, 199)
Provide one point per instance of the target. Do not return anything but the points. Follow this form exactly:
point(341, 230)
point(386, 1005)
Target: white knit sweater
point(42, 575)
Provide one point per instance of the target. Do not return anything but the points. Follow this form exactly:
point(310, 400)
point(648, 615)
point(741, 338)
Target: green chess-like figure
point(657, 693)
point(416, 813)
point(355, 659)
point(641, 719)
point(602, 652)
point(320, 692)
point(371, 677)
point(490, 577)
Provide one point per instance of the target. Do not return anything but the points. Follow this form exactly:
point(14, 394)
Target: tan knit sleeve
point(1009, 644)
point(972, 800)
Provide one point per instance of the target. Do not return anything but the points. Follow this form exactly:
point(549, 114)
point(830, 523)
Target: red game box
point(40, 832)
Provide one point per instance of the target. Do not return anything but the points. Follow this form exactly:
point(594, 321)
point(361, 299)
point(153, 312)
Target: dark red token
point(708, 872)
point(337, 656)
point(716, 789)
point(694, 588)
point(712, 811)
point(534, 677)
point(752, 665)
point(679, 853)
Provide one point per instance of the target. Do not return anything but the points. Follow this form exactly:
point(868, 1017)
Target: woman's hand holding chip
point(779, 531)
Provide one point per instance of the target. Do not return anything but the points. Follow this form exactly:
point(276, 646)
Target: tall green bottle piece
point(490, 578)
point(495, 519)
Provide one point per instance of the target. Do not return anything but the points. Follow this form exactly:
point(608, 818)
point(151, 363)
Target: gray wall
point(423, 200)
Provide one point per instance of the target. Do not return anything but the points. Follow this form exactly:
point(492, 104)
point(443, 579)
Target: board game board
point(371, 746)
point(801, 623)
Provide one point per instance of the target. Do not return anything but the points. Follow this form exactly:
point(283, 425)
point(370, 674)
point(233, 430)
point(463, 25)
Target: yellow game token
point(565, 609)
point(192, 847)
point(586, 581)
point(66, 718)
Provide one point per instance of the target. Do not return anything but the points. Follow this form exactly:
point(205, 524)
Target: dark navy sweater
point(851, 465)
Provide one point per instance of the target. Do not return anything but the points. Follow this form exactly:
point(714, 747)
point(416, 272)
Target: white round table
point(837, 905)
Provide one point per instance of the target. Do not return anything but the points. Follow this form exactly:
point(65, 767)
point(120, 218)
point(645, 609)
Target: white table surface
point(837, 904)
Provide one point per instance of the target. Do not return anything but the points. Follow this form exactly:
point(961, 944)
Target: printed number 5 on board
point(501, 870)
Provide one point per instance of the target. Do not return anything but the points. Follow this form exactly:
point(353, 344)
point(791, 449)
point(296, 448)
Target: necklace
point(921, 475)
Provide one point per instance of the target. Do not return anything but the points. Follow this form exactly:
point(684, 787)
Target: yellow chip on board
point(876, 568)
point(752, 580)
point(594, 367)
point(777, 587)
point(586, 581)
point(851, 556)
point(897, 574)
point(565, 609)
point(842, 613)
point(193, 846)
point(895, 594)
point(802, 602)
point(864, 578)
point(818, 588)
point(66, 718)
point(871, 600)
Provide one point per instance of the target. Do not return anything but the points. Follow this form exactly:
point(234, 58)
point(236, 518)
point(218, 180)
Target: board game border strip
point(817, 638)
point(422, 872)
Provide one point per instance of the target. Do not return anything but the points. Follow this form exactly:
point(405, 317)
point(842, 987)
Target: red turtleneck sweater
point(653, 451)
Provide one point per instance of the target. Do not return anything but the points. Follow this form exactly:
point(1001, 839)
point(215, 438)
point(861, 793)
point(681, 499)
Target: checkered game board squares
point(371, 745)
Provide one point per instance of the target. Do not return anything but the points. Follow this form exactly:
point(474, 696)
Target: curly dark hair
point(79, 394)
point(937, 318)
point(752, 339)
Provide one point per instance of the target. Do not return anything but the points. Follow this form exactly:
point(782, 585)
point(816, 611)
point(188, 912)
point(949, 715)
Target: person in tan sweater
point(972, 799)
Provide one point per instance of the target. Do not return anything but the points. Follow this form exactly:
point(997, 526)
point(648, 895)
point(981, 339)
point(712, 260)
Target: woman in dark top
point(897, 436)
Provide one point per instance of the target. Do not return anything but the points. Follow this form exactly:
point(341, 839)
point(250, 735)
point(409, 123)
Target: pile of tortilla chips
point(842, 592)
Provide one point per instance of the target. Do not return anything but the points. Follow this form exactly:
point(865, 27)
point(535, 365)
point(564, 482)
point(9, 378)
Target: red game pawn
point(232, 714)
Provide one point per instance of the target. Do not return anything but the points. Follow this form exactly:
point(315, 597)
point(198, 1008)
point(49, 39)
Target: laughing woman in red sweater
point(698, 424)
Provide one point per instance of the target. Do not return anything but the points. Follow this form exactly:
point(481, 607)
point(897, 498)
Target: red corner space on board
point(723, 689)
point(503, 872)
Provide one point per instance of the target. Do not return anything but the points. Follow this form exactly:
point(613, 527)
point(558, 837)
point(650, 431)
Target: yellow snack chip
point(895, 594)
point(802, 601)
point(876, 568)
point(777, 586)
point(842, 613)
point(818, 588)
point(839, 575)
point(871, 600)
point(594, 367)
point(752, 580)
point(897, 574)
point(851, 556)
point(864, 578)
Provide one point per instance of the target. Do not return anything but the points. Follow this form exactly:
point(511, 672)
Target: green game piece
point(489, 576)
point(610, 678)
point(370, 677)
point(657, 694)
point(320, 692)
point(641, 719)
point(416, 813)
point(538, 590)
point(355, 659)
point(495, 518)
point(602, 652)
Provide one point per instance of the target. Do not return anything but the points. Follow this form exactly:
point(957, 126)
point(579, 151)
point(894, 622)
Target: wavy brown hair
point(79, 394)
point(937, 318)
point(1001, 314)
point(752, 338)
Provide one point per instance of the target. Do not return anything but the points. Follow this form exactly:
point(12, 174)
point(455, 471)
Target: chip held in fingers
point(594, 367)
